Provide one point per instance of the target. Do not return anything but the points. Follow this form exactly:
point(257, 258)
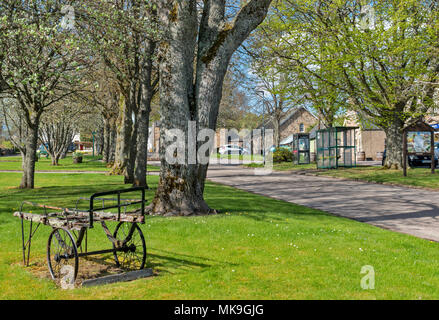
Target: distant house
point(297, 120)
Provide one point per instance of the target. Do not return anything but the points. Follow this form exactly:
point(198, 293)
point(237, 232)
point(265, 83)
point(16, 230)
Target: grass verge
point(258, 248)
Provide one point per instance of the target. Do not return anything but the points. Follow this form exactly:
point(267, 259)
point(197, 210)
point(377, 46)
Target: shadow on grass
point(172, 263)
point(262, 209)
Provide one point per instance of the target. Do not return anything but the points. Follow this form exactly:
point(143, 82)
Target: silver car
point(232, 149)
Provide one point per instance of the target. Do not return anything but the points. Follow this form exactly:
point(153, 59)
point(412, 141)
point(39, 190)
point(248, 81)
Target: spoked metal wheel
point(62, 255)
point(132, 255)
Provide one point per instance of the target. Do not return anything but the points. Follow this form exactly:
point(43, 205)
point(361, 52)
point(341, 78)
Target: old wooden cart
point(68, 239)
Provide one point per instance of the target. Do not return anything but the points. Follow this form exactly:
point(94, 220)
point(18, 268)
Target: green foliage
point(282, 155)
point(383, 68)
point(77, 155)
point(38, 58)
point(386, 67)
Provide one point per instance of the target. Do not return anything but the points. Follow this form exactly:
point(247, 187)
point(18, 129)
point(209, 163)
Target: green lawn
point(89, 163)
point(258, 248)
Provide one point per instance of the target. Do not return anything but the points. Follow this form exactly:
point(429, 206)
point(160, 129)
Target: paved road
point(406, 210)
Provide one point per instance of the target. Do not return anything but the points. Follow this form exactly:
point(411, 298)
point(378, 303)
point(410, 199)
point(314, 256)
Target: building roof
point(291, 113)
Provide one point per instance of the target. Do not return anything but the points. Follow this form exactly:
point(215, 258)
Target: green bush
point(282, 155)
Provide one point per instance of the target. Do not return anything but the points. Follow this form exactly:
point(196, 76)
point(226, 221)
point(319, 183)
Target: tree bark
point(106, 147)
point(123, 138)
point(276, 131)
point(28, 163)
point(394, 145)
point(147, 91)
point(129, 172)
point(112, 146)
point(194, 95)
point(394, 137)
point(142, 147)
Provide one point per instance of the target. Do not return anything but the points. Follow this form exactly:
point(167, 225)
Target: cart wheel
point(62, 256)
point(133, 255)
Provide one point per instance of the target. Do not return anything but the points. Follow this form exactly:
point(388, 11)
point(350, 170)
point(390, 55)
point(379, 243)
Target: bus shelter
point(336, 148)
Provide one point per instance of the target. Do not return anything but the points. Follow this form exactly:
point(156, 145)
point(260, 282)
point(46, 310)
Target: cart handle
point(118, 206)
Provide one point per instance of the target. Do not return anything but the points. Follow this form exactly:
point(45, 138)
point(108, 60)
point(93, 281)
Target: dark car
point(420, 161)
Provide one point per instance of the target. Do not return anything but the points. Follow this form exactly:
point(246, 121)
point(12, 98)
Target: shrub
point(77, 157)
point(282, 155)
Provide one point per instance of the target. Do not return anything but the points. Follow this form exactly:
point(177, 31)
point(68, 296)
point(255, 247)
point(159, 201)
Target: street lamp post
point(263, 125)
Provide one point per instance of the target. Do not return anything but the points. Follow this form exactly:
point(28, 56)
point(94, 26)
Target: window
point(302, 127)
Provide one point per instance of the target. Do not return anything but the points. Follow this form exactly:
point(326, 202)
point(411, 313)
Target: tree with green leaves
point(41, 64)
point(123, 35)
point(377, 57)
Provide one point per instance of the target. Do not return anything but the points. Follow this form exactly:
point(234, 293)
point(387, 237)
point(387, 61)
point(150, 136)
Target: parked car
point(42, 150)
point(232, 149)
point(420, 161)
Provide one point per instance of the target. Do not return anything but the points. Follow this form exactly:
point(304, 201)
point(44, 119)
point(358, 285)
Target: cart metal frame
point(70, 228)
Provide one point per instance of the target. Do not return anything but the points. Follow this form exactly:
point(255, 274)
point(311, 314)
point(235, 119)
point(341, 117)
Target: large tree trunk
point(276, 131)
point(106, 144)
point(28, 163)
point(184, 98)
point(394, 137)
point(147, 91)
point(55, 159)
point(177, 192)
point(112, 143)
point(394, 144)
point(142, 149)
point(129, 172)
point(123, 139)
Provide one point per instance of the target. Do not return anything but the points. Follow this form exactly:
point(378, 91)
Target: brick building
point(297, 120)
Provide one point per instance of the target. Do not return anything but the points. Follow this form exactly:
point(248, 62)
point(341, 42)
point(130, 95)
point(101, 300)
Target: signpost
point(418, 140)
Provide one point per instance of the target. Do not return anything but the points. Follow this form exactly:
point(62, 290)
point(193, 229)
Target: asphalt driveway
point(406, 210)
